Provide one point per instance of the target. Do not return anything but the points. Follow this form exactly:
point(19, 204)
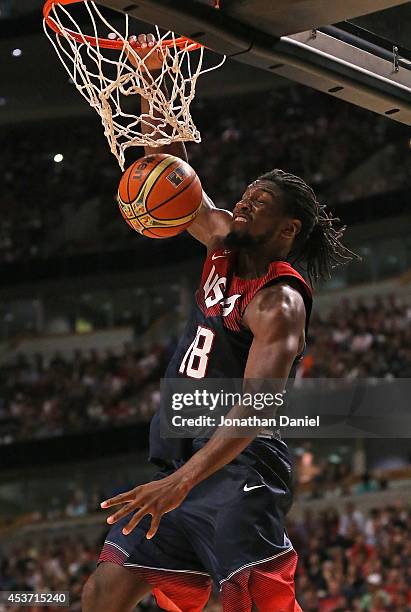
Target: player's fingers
point(113, 518)
point(119, 499)
point(132, 39)
point(151, 41)
point(155, 522)
point(142, 39)
point(132, 524)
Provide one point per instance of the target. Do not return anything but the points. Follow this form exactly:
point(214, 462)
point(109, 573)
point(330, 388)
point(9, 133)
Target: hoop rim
point(107, 43)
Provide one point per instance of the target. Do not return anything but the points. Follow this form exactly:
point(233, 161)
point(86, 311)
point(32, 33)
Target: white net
point(108, 77)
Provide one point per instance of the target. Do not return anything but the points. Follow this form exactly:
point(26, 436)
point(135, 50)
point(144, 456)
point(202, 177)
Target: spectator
point(367, 484)
point(350, 518)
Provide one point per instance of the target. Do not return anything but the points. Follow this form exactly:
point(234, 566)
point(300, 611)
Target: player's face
point(259, 215)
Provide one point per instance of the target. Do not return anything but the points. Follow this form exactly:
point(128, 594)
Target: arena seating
point(41, 398)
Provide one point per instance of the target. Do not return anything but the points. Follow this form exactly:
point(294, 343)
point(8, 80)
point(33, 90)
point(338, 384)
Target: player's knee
point(91, 594)
point(112, 588)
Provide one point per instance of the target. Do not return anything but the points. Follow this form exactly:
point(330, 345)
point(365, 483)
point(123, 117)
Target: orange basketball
point(159, 195)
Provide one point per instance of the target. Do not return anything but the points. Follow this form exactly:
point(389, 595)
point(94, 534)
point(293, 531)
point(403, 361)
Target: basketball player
point(216, 511)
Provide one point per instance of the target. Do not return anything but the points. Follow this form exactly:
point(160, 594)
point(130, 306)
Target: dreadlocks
point(318, 243)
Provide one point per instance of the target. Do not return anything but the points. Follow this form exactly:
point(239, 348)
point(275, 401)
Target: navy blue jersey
point(215, 343)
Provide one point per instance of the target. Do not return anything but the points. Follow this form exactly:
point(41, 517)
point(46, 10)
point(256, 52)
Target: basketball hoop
point(107, 69)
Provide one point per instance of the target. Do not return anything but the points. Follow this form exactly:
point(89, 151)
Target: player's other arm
point(276, 317)
point(211, 224)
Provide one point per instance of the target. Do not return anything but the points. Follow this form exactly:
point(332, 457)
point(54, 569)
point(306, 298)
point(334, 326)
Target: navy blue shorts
point(229, 530)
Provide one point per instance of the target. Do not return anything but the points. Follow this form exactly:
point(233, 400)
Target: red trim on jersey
point(222, 293)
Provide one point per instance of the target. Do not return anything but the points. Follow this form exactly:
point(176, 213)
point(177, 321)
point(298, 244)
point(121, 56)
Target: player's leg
point(167, 565)
point(113, 588)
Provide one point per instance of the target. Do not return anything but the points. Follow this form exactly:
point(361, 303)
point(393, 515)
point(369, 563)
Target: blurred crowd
point(51, 208)
point(77, 500)
point(38, 399)
point(332, 474)
point(352, 561)
point(87, 391)
point(319, 473)
point(359, 339)
point(349, 561)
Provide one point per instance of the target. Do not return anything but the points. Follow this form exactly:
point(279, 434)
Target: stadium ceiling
point(293, 39)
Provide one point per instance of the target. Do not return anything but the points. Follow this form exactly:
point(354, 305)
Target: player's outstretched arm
point(211, 224)
point(143, 45)
point(276, 317)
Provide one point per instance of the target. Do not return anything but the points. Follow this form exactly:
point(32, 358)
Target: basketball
point(159, 195)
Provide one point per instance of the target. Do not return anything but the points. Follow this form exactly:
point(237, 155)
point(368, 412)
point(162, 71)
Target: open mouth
point(242, 218)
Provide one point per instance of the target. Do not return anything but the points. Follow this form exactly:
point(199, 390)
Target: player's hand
point(155, 498)
point(142, 45)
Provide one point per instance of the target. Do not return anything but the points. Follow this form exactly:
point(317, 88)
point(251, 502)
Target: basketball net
point(99, 66)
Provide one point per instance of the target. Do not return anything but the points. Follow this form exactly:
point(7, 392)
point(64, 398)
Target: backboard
point(357, 50)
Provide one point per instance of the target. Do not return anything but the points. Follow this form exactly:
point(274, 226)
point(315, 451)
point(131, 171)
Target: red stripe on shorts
point(112, 554)
point(174, 591)
point(177, 591)
point(269, 585)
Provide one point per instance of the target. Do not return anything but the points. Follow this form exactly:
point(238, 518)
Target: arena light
point(17, 52)
point(58, 158)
